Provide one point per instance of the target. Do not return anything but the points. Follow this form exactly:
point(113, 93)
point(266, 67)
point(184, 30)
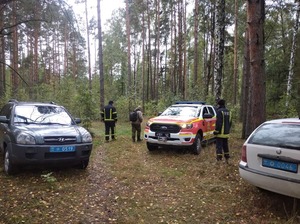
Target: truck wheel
point(9, 169)
point(151, 147)
point(197, 147)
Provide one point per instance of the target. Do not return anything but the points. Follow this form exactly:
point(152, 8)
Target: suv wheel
point(151, 147)
point(197, 147)
point(83, 165)
point(8, 166)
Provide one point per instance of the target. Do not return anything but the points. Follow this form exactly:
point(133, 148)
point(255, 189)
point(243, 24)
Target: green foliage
point(69, 86)
point(86, 108)
point(279, 110)
point(48, 177)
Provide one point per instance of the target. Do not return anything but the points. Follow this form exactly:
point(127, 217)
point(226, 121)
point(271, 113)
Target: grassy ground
point(125, 183)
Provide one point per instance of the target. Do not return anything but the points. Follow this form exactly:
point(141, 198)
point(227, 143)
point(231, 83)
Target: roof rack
point(190, 102)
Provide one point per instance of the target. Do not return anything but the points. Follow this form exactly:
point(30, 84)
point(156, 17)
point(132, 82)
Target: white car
point(271, 156)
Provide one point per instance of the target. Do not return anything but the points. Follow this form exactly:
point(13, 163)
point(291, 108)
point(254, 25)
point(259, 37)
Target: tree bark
point(196, 33)
point(15, 56)
point(100, 56)
point(292, 57)
point(235, 62)
point(2, 57)
point(255, 24)
point(88, 45)
point(220, 39)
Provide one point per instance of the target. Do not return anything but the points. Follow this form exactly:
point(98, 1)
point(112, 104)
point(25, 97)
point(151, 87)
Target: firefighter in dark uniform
point(109, 117)
point(222, 131)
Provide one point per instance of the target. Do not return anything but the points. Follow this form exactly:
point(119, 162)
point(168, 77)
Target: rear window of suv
point(277, 135)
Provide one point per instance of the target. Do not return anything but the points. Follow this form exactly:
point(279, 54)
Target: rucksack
point(133, 116)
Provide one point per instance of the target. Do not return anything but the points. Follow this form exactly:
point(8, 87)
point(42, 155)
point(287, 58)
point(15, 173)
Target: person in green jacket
point(136, 125)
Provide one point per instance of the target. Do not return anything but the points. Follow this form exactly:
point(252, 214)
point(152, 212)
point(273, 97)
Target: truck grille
point(61, 140)
point(168, 128)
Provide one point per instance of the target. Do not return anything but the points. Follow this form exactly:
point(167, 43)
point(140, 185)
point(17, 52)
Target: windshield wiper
point(24, 122)
point(49, 123)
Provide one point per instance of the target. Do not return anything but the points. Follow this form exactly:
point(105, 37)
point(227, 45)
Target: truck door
point(209, 118)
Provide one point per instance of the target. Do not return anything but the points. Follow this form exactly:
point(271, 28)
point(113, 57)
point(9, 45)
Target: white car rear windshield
point(278, 135)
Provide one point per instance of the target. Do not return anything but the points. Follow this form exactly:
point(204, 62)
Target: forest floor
point(125, 183)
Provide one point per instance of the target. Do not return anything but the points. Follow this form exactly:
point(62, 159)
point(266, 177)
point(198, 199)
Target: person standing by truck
point(222, 130)
point(136, 119)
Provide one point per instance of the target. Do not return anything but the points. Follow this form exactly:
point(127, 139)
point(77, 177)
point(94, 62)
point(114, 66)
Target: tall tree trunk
point(157, 57)
point(15, 56)
point(128, 54)
point(211, 66)
point(36, 35)
point(235, 66)
point(74, 60)
point(184, 51)
point(255, 19)
point(292, 57)
point(220, 39)
point(88, 45)
point(246, 90)
point(175, 76)
point(180, 49)
point(2, 58)
point(143, 60)
point(196, 33)
point(149, 68)
point(100, 56)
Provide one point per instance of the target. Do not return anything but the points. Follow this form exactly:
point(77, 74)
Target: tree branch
point(15, 72)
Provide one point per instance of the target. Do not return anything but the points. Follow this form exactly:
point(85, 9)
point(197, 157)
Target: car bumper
point(274, 183)
point(174, 139)
point(35, 154)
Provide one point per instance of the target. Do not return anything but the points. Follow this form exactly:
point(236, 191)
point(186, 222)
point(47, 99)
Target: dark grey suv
point(34, 133)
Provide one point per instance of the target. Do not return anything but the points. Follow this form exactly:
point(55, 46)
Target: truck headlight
point(187, 126)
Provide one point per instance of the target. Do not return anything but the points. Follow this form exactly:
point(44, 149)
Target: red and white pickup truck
point(183, 124)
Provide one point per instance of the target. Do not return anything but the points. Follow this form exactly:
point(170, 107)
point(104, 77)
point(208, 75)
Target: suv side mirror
point(207, 115)
point(77, 120)
point(3, 119)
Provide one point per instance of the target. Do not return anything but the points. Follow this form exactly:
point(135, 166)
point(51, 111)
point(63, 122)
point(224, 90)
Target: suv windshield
point(41, 114)
point(278, 135)
point(187, 111)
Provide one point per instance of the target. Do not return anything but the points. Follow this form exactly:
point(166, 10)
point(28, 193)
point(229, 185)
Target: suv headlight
point(25, 139)
point(187, 126)
point(86, 137)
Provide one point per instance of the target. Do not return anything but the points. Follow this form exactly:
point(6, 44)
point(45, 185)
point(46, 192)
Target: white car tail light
point(244, 153)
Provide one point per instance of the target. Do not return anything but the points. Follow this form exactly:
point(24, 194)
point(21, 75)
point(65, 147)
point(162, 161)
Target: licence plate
point(69, 148)
point(280, 165)
point(163, 137)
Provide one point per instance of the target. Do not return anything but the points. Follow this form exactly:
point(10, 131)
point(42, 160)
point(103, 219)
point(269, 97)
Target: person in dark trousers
point(109, 117)
point(136, 127)
point(222, 131)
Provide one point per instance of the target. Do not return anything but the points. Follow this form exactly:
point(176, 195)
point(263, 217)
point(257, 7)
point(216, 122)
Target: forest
point(152, 53)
